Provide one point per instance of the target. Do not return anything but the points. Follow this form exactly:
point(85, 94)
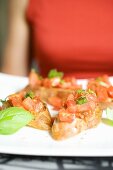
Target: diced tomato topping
point(70, 103)
point(70, 82)
point(55, 81)
point(110, 91)
point(56, 102)
point(72, 108)
point(66, 117)
point(71, 79)
point(92, 85)
point(102, 93)
point(46, 82)
point(34, 105)
point(102, 81)
point(82, 108)
point(91, 97)
point(28, 104)
point(15, 100)
point(65, 85)
point(105, 79)
point(70, 97)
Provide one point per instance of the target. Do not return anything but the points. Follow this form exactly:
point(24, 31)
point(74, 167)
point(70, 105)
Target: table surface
point(19, 162)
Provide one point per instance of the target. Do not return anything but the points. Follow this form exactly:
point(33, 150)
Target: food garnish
point(54, 73)
point(12, 119)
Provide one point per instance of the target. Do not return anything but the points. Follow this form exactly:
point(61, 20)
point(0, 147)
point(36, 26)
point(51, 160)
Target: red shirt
point(74, 36)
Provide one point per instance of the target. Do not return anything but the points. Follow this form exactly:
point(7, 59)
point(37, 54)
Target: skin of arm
point(15, 59)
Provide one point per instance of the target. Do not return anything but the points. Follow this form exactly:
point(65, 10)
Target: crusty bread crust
point(42, 119)
point(64, 130)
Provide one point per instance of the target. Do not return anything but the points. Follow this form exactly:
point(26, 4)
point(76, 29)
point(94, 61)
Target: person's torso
point(74, 36)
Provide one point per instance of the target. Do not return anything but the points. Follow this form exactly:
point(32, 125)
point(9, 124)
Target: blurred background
point(3, 26)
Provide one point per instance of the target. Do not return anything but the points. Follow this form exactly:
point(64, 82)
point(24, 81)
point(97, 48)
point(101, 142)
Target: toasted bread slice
point(53, 88)
point(42, 118)
point(75, 118)
point(63, 130)
point(103, 89)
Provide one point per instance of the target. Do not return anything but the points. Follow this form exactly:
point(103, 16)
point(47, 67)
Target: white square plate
point(28, 141)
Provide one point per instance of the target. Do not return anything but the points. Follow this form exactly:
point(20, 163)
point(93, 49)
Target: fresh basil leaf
point(107, 121)
point(12, 119)
point(109, 113)
point(81, 100)
point(54, 73)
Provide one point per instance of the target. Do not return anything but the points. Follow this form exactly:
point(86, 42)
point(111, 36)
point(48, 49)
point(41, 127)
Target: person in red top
point(74, 36)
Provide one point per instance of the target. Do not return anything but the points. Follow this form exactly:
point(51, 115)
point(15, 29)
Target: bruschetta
point(33, 104)
point(103, 89)
point(54, 88)
point(81, 111)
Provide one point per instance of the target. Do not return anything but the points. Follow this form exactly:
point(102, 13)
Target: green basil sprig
point(109, 119)
point(12, 119)
point(54, 73)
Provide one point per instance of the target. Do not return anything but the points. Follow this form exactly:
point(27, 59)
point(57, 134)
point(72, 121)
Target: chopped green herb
point(91, 91)
point(62, 81)
point(98, 79)
point(79, 91)
point(81, 100)
point(54, 73)
point(30, 94)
